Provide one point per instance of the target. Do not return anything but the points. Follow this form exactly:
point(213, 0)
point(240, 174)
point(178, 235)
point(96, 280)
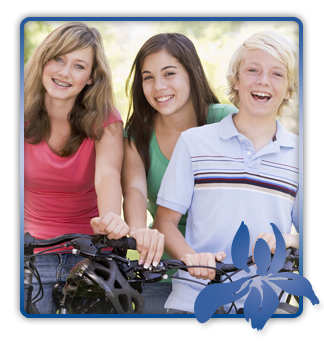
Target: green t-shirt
point(159, 163)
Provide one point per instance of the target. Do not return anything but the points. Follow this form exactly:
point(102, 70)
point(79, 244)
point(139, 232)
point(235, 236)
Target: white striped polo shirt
point(216, 175)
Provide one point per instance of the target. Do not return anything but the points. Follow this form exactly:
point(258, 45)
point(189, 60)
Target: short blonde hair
point(279, 47)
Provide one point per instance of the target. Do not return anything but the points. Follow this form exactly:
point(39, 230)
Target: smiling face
point(166, 84)
point(262, 84)
point(65, 76)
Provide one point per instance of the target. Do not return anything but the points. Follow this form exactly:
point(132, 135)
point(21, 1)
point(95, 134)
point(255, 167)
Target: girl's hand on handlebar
point(203, 259)
point(111, 224)
point(150, 245)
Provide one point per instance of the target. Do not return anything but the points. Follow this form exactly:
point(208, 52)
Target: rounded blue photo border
point(21, 151)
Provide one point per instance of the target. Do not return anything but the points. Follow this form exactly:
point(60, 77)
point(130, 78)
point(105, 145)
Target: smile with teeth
point(261, 96)
point(164, 98)
point(60, 83)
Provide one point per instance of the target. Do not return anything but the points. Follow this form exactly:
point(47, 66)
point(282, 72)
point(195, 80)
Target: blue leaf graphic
point(252, 304)
point(215, 295)
point(279, 257)
point(269, 305)
point(240, 247)
point(298, 285)
point(262, 256)
point(260, 309)
point(262, 300)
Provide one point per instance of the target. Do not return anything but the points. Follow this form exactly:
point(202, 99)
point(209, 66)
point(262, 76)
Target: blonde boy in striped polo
point(244, 168)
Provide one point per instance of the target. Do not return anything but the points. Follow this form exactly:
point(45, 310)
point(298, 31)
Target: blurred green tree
point(215, 42)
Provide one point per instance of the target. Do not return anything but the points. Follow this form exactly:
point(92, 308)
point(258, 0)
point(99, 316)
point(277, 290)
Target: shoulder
point(218, 111)
point(286, 138)
point(203, 133)
point(210, 134)
point(113, 116)
point(289, 148)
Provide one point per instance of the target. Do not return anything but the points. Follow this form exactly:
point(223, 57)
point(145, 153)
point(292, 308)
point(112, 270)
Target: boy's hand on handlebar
point(203, 259)
point(150, 245)
point(290, 240)
point(111, 224)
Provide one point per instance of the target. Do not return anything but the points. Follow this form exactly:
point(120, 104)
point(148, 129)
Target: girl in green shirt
point(169, 93)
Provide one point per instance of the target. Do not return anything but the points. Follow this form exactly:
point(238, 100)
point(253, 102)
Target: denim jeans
point(155, 296)
point(220, 310)
point(52, 268)
point(178, 312)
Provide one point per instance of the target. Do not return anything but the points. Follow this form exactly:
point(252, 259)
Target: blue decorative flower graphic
point(261, 301)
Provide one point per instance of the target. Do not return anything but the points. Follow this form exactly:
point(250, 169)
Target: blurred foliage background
point(215, 42)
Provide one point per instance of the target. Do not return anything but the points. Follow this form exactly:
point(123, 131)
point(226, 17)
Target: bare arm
point(150, 243)
point(109, 156)
point(166, 221)
point(134, 187)
point(176, 247)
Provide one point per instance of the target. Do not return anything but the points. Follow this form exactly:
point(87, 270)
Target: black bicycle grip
point(125, 242)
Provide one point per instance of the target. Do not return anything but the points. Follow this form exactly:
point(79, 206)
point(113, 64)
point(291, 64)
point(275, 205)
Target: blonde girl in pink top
point(73, 147)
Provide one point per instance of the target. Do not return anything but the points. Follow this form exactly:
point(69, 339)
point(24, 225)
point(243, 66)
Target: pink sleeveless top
point(60, 196)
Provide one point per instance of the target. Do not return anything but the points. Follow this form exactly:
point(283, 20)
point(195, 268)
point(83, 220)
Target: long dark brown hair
point(140, 118)
point(94, 103)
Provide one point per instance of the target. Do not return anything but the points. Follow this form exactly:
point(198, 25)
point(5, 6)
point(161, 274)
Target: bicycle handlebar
point(156, 273)
point(90, 244)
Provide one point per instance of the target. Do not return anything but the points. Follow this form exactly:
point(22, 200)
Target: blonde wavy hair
point(279, 47)
point(94, 103)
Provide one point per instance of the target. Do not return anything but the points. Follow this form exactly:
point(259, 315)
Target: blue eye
point(78, 66)
point(58, 59)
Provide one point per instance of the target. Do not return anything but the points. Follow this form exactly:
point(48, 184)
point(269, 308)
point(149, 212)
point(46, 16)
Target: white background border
point(14, 325)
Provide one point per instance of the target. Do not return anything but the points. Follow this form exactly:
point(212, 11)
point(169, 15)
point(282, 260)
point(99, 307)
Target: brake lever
point(137, 273)
point(156, 273)
point(84, 246)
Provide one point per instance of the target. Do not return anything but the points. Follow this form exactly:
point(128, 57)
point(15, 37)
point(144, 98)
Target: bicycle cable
point(40, 292)
point(46, 250)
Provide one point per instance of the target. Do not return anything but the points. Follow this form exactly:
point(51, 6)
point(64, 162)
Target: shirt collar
point(283, 137)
